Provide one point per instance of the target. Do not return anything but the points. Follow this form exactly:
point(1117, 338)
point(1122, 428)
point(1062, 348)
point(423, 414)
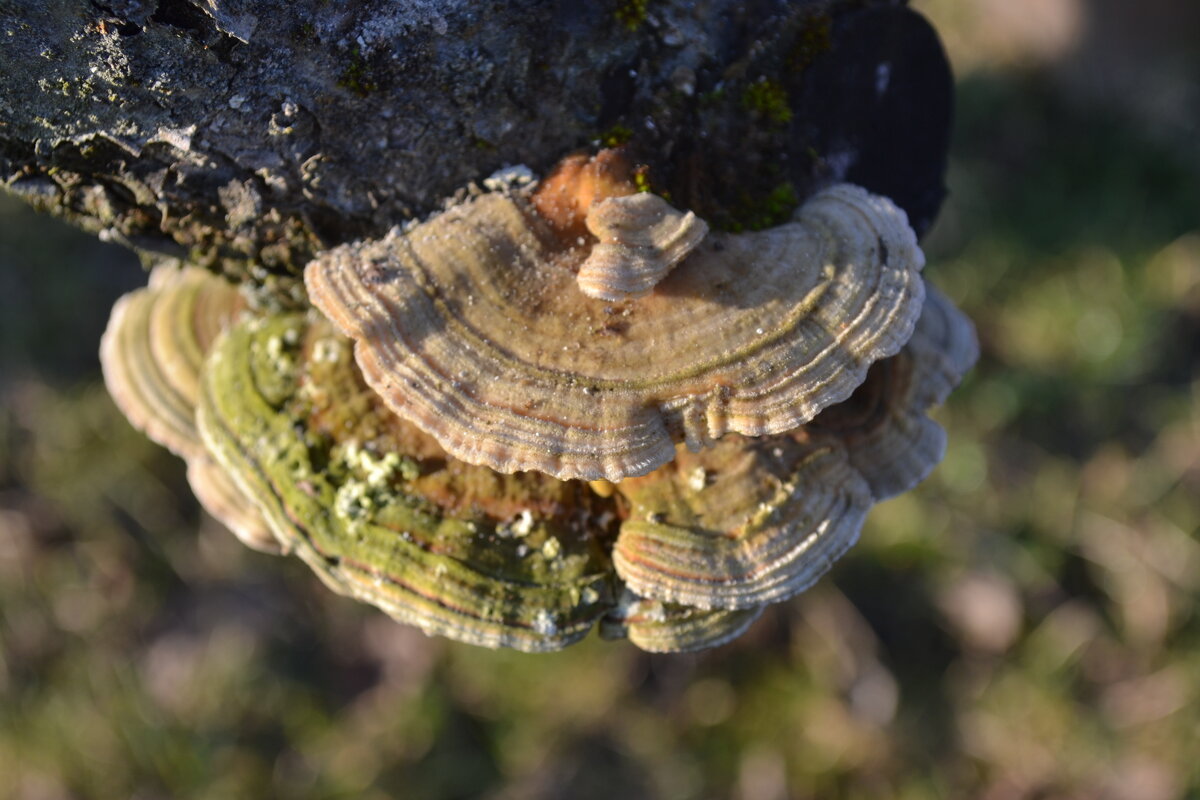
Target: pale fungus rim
point(152, 364)
point(727, 541)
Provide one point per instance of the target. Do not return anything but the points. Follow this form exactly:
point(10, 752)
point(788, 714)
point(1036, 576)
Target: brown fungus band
point(152, 354)
point(473, 326)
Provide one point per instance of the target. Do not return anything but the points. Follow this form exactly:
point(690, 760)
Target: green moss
point(813, 40)
point(641, 179)
point(712, 98)
point(756, 213)
point(616, 136)
point(357, 75)
point(769, 100)
point(631, 13)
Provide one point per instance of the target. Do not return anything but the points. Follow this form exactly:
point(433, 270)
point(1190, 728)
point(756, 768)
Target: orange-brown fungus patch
point(578, 183)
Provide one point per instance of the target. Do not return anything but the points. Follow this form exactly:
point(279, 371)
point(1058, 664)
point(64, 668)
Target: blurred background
point(1025, 625)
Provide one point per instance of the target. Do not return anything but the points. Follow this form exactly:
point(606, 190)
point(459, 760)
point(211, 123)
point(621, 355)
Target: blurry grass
point(1023, 626)
point(57, 285)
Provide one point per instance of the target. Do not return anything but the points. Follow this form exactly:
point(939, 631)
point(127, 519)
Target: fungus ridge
point(151, 354)
point(755, 521)
point(889, 438)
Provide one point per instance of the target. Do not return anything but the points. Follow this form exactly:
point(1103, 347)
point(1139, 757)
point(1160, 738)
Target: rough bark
point(245, 136)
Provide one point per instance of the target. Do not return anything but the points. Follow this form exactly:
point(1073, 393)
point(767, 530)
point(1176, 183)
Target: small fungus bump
point(640, 239)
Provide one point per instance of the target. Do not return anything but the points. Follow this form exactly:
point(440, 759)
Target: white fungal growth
point(544, 623)
point(353, 502)
point(328, 351)
point(508, 178)
point(524, 523)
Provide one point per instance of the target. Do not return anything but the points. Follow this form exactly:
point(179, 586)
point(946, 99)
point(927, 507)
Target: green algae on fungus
point(381, 514)
point(295, 446)
point(288, 440)
point(432, 542)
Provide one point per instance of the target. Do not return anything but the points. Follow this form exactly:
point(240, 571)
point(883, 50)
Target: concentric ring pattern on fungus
point(755, 521)
point(152, 354)
point(472, 325)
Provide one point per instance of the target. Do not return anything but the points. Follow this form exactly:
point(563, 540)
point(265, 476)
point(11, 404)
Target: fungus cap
point(659, 627)
point(755, 521)
point(152, 354)
point(153, 347)
point(222, 498)
point(472, 325)
point(746, 523)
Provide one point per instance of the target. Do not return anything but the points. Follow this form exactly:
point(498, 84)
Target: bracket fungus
point(883, 425)
point(473, 326)
point(152, 353)
point(535, 414)
point(746, 523)
point(660, 627)
point(152, 350)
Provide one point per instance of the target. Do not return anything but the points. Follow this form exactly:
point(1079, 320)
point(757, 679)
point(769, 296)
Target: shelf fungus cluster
point(547, 410)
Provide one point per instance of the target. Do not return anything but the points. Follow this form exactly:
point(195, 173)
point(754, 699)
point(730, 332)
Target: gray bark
point(245, 136)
